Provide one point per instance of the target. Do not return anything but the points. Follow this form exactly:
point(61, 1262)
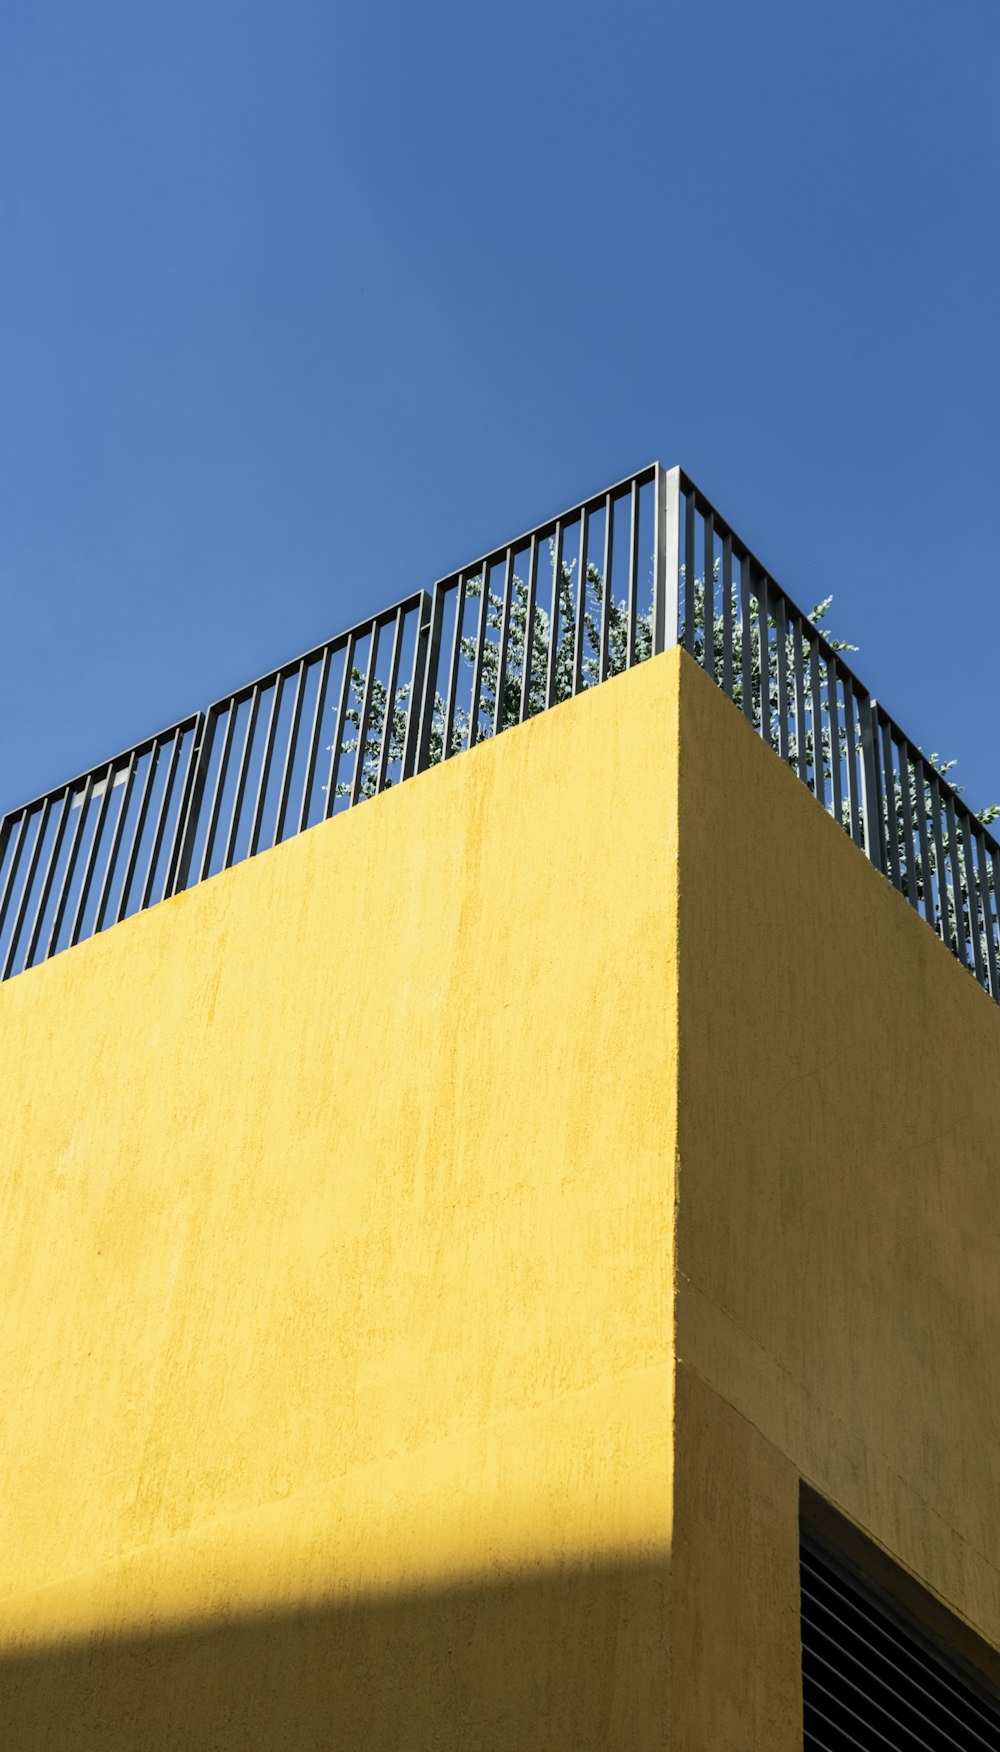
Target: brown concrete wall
point(838, 1237)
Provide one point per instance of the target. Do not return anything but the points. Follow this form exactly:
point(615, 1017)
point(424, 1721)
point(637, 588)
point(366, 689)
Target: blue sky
point(304, 304)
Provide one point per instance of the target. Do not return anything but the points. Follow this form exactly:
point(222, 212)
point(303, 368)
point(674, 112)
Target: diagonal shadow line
point(548, 1661)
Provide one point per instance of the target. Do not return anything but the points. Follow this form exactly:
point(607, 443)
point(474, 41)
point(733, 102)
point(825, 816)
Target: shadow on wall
point(550, 1663)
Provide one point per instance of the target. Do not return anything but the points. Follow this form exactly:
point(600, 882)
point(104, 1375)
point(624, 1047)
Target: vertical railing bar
point(816, 712)
point(668, 571)
point(529, 629)
point(746, 639)
point(217, 790)
point(689, 581)
point(852, 740)
point(428, 701)
point(284, 791)
point(266, 757)
point(944, 919)
point(161, 821)
point(50, 870)
point(708, 630)
point(553, 651)
point(116, 840)
point(15, 859)
point(659, 623)
point(188, 805)
point(982, 859)
point(581, 605)
point(503, 647)
point(764, 653)
point(364, 716)
point(907, 781)
point(239, 789)
point(994, 867)
point(961, 879)
point(727, 614)
point(956, 874)
point(798, 676)
point(388, 722)
point(870, 789)
point(340, 728)
point(833, 713)
point(189, 809)
point(128, 875)
point(906, 826)
point(424, 611)
point(26, 887)
point(453, 668)
point(480, 648)
point(633, 579)
point(975, 908)
point(890, 814)
point(312, 752)
point(781, 643)
point(799, 684)
point(67, 879)
point(604, 655)
point(90, 865)
point(926, 875)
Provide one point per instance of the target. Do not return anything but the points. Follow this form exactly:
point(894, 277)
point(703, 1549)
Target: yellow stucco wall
point(336, 1207)
point(342, 1265)
point(838, 1235)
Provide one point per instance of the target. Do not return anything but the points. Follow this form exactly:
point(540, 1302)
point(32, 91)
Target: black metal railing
point(644, 565)
point(268, 766)
point(95, 850)
point(800, 694)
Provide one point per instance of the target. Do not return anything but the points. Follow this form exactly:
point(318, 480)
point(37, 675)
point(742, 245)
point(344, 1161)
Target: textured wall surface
point(838, 1235)
point(336, 1208)
point(337, 1236)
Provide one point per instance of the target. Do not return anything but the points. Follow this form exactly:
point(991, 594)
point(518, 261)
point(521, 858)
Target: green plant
point(936, 889)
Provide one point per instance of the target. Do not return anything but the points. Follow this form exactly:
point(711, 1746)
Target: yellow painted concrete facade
point(436, 1253)
point(336, 1228)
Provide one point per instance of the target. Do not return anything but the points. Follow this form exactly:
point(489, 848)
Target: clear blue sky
point(303, 303)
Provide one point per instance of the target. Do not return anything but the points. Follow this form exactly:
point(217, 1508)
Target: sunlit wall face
point(338, 1227)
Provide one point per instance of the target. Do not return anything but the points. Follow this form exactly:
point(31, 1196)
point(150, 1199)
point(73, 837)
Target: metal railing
point(796, 689)
point(539, 619)
point(91, 852)
point(644, 565)
point(267, 767)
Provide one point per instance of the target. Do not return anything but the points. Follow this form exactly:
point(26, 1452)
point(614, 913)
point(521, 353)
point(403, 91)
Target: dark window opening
point(876, 1678)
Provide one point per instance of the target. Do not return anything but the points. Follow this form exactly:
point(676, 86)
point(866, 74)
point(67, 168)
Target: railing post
point(429, 689)
point(871, 786)
point(417, 684)
point(666, 557)
point(190, 804)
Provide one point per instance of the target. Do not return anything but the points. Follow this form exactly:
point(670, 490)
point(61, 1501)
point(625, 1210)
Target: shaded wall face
point(838, 1236)
point(336, 1236)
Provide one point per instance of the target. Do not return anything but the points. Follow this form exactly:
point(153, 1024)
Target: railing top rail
point(640, 477)
point(382, 617)
point(136, 749)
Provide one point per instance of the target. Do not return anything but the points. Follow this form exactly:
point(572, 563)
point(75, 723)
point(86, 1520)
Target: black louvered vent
point(870, 1680)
